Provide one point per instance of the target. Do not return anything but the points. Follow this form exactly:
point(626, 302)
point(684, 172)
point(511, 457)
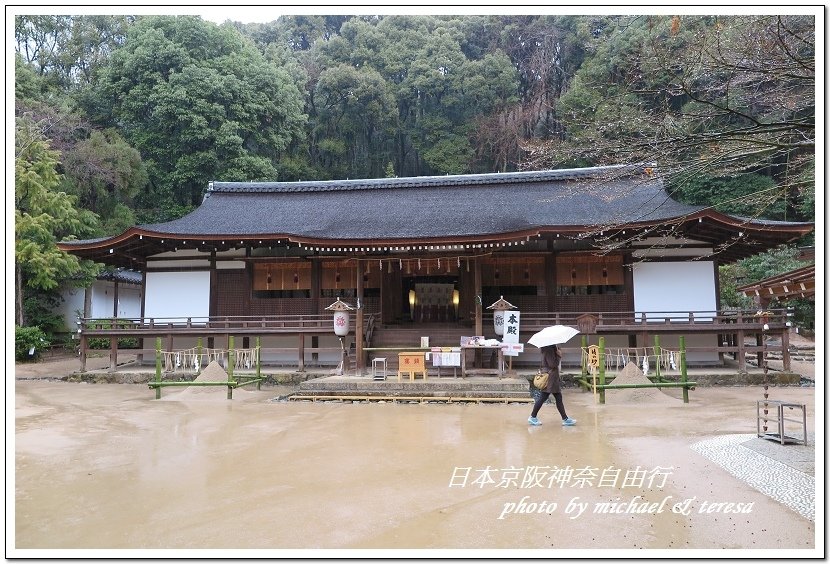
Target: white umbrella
point(553, 335)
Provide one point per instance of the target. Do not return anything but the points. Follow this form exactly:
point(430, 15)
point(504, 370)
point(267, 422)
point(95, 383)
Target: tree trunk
point(18, 305)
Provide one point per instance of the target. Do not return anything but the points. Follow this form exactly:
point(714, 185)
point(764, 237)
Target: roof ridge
point(612, 171)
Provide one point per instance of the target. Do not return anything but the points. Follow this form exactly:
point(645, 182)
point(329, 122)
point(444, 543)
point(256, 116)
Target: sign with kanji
point(593, 358)
point(511, 326)
point(411, 361)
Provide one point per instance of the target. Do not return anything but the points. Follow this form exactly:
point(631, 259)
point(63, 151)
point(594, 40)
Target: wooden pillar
point(741, 352)
point(479, 327)
point(114, 340)
point(477, 290)
point(140, 356)
point(213, 299)
point(82, 347)
point(760, 338)
point(84, 344)
point(358, 329)
point(466, 291)
point(785, 348)
point(628, 277)
point(316, 284)
point(87, 302)
point(113, 353)
point(115, 299)
point(550, 278)
point(301, 353)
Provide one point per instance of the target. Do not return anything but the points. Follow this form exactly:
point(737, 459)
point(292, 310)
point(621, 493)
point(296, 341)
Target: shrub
point(29, 342)
point(101, 343)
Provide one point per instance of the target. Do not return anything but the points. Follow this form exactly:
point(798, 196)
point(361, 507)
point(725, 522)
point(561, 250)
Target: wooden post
point(479, 326)
point(760, 339)
point(231, 362)
point(87, 310)
point(199, 354)
point(258, 363)
point(584, 360)
point(82, 348)
point(602, 370)
point(158, 367)
point(316, 280)
point(113, 353)
point(683, 376)
point(785, 348)
point(478, 309)
point(741, 352)
point(657, 356)
point(301, 353)
point(358, 329)
point(115, 299)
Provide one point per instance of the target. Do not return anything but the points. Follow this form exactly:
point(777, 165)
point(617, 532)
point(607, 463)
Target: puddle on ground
point(109, 467)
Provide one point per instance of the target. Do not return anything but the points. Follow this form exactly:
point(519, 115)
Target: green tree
point(200, 103)
point(43, 216)
point(745, 195)
point(67, 50)
point(99, 167)
point(720, 96)
point(104, 172)
point(753, 269)
point(354, 110)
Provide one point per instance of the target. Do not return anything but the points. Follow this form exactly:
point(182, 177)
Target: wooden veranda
point(770, 330)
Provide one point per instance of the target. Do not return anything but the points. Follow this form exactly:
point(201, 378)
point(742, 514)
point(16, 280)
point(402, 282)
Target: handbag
point(540, 381)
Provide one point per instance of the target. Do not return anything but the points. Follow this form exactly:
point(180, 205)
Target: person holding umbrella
point(547, 341)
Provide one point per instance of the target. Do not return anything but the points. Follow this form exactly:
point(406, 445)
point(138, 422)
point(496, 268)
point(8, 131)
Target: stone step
point(414, 393)
point(404, 399)
point(416, 387)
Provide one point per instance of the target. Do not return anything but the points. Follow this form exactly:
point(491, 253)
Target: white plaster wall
point(177, 294)
point(101, 302)
point(102, 294)
point(73, 301)
point(671, 287)
point(129, 301)
point(674, 287)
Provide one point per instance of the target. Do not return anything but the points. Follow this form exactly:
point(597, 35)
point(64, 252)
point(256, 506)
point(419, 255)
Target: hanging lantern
point(341, 317)
point(499, 307)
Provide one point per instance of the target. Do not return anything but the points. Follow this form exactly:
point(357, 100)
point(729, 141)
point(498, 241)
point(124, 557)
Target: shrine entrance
point(431, 299)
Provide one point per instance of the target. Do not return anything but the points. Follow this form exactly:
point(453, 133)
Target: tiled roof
point(469, 208)
point(431, 207)
point(122, 275)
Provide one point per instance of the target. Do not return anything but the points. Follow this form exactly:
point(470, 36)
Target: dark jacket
point(550, 363)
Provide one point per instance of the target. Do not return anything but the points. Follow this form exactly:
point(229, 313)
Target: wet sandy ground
point(109, 467)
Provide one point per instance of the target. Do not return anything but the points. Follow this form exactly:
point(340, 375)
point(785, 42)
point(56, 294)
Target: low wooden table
point(498, 371)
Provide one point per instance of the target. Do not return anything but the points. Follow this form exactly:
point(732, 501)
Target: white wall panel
point(177, 294)
point(674, 286)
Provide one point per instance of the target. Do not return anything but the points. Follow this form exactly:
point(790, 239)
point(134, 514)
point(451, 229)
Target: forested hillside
point(129, 117)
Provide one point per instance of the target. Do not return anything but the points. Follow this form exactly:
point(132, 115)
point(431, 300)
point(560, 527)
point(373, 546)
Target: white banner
point(511, 326)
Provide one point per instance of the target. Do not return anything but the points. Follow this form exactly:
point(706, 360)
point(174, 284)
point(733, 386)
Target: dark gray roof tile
point(430, 207)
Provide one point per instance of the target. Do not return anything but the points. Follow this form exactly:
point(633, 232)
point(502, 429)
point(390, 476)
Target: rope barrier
point(192, 360)
point(618, 358)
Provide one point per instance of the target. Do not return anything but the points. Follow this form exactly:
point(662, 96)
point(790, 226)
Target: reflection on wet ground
point(107, 466)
